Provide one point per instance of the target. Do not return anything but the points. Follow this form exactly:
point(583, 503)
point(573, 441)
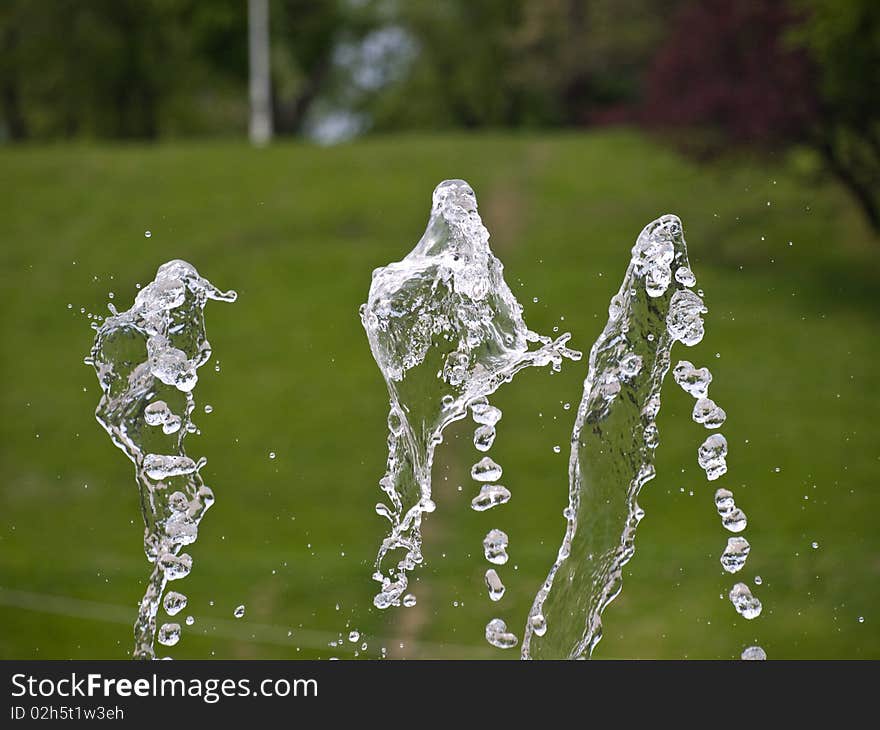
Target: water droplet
point(495, 547)
point(712, 456)
point(746, 605)
point(238, 612)
point(684, 321)
point(271, 454)
point(484, 437)
point(754, 654)
point(694, 381)
point(174, 603)
point(147, 234)
point(156, 413)
point(353, 636)
point(494, 584)
point(685, 277)
point(409, 600)
point(169, 634)
point(175, 567)
point(159, 466)
point(710, 415)
point(491, 495)
point(485, 414)
point(734, 556)
point(732, 517)
point(486, 470)
point(498, 635)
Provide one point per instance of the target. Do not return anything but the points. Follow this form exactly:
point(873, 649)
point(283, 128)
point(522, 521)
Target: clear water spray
point(446, 331)
point(147, 360)
point(614, 440)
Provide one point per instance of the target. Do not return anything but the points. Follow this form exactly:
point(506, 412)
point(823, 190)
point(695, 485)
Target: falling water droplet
point(495, 547)
point(735, 554)
point(485, 414)
point(685, 277)
point(694, 381)
point(238, 612)
point(732, 517)
point(169, 634)
point(746, 605)
point(498, 635)
point(486, 470)
point(711, 456)
point(174, 603)
point(494, 584)
point(491, 495)
point(754, 654)
point(484, 437)
point(710, 415)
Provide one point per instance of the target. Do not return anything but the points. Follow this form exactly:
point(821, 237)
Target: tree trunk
point(864, 193)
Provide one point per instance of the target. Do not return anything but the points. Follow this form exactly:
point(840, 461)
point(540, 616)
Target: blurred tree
point(115, 68)
point(10, 74)
point(843, 39)
point(459, 74)
point(581, 61)
point(305, 35)
point(522, 62)
point(767, 72)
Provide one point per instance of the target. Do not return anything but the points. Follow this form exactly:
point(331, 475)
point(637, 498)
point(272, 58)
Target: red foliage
point(725, 64)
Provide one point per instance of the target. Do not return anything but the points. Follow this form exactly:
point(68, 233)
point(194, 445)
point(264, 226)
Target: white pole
point(260, 85)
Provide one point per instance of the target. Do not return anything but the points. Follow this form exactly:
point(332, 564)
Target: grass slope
point(790, 276)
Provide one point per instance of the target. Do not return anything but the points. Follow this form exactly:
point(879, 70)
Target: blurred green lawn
point(790, 276)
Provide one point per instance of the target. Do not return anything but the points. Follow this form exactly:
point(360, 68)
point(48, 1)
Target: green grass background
point(790, 275)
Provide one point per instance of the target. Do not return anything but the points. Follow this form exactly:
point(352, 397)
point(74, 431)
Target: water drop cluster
point(712, 458)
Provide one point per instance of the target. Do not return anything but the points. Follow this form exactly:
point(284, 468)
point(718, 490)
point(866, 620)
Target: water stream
point(147, 360)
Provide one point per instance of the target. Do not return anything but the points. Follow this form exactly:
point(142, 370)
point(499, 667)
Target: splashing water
point(446, 332)
point(146, 360)
point(614, 439)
